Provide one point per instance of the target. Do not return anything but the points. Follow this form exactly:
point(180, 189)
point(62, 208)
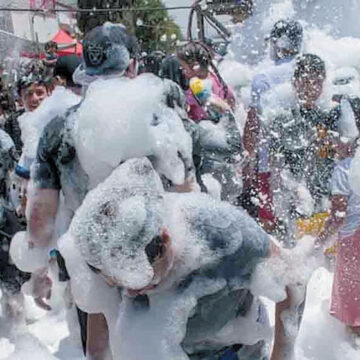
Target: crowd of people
point(160, 243)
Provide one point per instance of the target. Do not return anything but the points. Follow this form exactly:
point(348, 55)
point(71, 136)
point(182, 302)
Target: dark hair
point(155, 249)
point(24, 83)
point(65, 67)
point(195, 51)
point(32, 73)
point(170, 69)
point(152, 62)
point(292, 30)
point(309, 64)
point(51, 45)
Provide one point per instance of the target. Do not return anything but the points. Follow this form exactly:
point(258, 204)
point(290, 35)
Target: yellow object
point(324, 149)
point(313, 225)
point(331, 251)
point(196, 86)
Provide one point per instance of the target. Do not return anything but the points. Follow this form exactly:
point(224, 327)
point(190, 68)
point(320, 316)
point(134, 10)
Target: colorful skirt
point(345, 299)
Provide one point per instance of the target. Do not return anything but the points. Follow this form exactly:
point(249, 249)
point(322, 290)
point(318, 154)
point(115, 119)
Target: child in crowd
point(33, 90)
point(300, 172)
point(285, 40)
point(196, 62)
point(298, 155)
point(210, 103)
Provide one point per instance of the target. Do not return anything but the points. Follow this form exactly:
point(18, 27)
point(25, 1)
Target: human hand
point(41, 288)
point(187, 186)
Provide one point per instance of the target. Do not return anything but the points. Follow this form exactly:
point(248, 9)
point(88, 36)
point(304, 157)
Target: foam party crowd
point(195, 203)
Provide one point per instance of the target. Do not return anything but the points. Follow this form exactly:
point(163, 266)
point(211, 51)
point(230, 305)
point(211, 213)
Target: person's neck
point(307, 106)
point(279, 61)
point(203, 74)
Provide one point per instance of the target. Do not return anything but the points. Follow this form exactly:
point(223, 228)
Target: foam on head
point(117, 220)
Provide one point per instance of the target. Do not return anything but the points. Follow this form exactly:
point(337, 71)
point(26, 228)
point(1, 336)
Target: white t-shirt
point(340, 185)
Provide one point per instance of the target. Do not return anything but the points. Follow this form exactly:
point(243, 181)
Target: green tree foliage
point(87, 20)
point(155, 30)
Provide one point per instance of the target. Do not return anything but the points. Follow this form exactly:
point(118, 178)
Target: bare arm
point(251, 131)
point(41, 215)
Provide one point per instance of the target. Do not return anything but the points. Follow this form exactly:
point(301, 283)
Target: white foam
point(135, 113)
point(33, 123)
point(354, 175)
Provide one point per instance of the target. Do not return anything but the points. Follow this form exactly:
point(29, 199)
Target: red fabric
point(266, 208)
point(42, 4)
point(345, 299)
point(62, 37)
point(32, 55)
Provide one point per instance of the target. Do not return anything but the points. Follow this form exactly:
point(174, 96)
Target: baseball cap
point(108, 48)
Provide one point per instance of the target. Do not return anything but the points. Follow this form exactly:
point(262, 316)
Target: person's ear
point(50, 88)
point(295, 83)
point(20, 100)
point(131, 71)
point(165, 235)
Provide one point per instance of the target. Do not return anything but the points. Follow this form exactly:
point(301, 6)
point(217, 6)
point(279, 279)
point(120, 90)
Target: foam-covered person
point(285, 42)
point(11, 278)
point(71, 160)
point(32, 89)
point(210, 104)
point(171, 272)
point(343, 223)
point(210, 96)
point(301, 163)
point(31, 123)
point(300, 152)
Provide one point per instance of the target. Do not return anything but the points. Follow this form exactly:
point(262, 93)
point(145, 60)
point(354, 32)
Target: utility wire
point(94, 10)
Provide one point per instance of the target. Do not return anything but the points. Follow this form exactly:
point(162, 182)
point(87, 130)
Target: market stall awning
point(66, 44)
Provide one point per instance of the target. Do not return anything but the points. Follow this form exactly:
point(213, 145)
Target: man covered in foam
point(118, 119)
point(171, 272)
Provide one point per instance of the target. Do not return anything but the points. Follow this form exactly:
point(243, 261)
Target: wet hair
point(156, 248)
point(170, 69)
point(309, 64)
point(292, 30)
point(32, 73)
point(196, 51)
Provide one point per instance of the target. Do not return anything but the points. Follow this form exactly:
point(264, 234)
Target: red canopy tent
point(62, 38)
